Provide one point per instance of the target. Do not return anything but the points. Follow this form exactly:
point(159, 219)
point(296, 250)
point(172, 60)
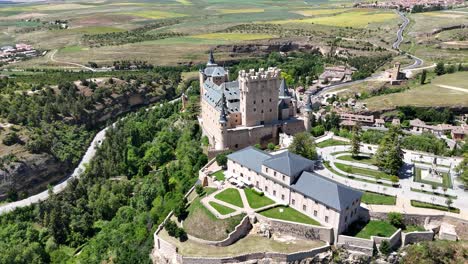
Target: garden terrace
point(372, 228)
point(362, 171)
point(446, 180)
point(231, 196)
point(257, 200)
point(377, 198)
point(434, 206)
point(288, 214)
point(331, 142)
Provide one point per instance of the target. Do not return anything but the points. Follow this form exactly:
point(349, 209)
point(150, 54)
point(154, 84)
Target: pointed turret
point(308, 104)
point(211, 60)
point(223, 113)
point(283, 90)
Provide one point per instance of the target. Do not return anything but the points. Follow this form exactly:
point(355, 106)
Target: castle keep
point(253, 109)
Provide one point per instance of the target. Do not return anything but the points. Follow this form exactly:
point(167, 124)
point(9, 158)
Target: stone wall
point(461, 225)
point(394, 240)
point(241, 230)
point(414, 237)
point(303, 231)
point(276, 257)
point(365, 246)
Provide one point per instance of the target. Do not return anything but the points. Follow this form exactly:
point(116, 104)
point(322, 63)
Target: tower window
point(255, 109)
point(254, 101)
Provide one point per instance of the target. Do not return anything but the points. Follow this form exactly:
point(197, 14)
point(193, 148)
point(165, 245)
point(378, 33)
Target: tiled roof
point(288, 163)
point(326, 191)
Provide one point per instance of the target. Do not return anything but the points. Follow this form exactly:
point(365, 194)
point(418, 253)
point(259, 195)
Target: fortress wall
point(414, 237)
point(241, 230)
point(302, 231)
point(394, 240)
point(275, 257)
point(365, 246)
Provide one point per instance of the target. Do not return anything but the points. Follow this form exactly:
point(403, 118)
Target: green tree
point(199, 190)
point(222, 159)
point(449, 202)
point(388, 155)
point(423, 77)
point(440, 68)
point(395, 219)
point(303, 145)
point(395, 179)
point(385, 248)
point(356, 141)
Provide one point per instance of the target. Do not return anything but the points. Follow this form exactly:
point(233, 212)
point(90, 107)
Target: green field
point(359, 159)
point(377, 198)
point(361, 171)
point(377, 228)
point(288, 214)
point(230, 196)
point(224, 210)
point(429, 94)
point(331, 142)
point(257, 200)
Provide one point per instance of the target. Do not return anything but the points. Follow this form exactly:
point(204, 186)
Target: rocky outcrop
point(31, 175)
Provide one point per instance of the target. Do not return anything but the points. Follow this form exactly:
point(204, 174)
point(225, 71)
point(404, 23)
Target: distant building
point(337, 74)
point(255, 108)
point(456, 132)
point(379, 122)
point(395, 76)
point(288, 178)
point(349, 120)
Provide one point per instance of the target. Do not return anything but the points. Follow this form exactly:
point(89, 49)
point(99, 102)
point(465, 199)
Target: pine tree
point(423, 76)
point(440, 68)
point(356, 141)
point(388, 156)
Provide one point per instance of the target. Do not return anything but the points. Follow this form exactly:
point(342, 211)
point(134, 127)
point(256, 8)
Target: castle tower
point(223, 122)
point(203, 74)
point(259, 96)
point(284, 103)
point(307, 113)
point(396, 71)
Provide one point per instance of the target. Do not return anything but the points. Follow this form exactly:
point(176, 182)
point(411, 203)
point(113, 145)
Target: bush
point(199, 189)
point(385, 247)
point(271, 146)
point(174, 231)
point(11, 139)
point(221, 158)
point(395, 219)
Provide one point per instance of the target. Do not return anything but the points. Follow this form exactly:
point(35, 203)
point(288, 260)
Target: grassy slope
point(289, 214)
point(256, 200)
point(231, 196)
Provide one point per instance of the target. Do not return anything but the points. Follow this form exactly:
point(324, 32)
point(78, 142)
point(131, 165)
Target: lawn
point(256, 200)
point(327, 165)
point(224, 210)
point(446, 182)
point(230, 196)
point(377, 228)
point(201, 223)
point(361, 171)
point(219, 175)
point(359, 159)
point(434, 206)
point(377, 198)
point(233, 36)
point(331, 142)
point(288, 214)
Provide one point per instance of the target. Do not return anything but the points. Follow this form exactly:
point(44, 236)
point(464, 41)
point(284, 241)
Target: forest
point(140, 173)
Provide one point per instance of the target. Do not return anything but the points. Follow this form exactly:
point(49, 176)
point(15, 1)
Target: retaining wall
point(414, 237)
point(365, 246)
point(299, 230)
point(394, 240)
point(241, 230)
point(277, 257)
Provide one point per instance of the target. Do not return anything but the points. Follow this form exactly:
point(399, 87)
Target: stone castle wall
point(302, 231)
point(415, 237)
point(394, 240)
point(241, 230)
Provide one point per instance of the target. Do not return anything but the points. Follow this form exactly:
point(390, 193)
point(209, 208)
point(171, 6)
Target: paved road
point(396, 45)
point(89, 155)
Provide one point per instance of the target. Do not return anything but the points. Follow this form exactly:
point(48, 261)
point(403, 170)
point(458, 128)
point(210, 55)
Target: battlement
point(261, 74)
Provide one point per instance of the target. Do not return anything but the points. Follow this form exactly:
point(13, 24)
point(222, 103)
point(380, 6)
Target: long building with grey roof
point(289, 178)
point(253, 109)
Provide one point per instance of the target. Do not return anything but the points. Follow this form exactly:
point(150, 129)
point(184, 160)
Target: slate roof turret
point(211, 60)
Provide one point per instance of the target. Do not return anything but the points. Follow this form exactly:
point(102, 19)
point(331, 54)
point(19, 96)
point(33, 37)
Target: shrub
point(271, 146)
point(396, 219)
point(11, 139)
point(385, 247)
point(221, 159)
point(171, 228)
point(199, 189)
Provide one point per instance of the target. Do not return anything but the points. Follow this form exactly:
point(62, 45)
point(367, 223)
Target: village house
point(255, 108)
point(289, 179)
point(337, 74)
point(456, 132)
point(348, 119)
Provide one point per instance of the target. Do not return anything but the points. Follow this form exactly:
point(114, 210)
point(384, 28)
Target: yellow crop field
point(318, 12)
point(233, 36)
point(154, 14)
point(184, 2)
point(348, 19)
point(241, 11)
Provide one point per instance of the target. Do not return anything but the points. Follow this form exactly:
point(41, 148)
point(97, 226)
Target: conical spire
point(283, 90)
point(308, 105)
point(211, 60)
point(223, 114)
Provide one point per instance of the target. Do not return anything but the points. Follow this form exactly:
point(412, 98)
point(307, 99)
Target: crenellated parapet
point(252, 76)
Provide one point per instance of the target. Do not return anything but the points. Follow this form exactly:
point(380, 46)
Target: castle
point(255, 108)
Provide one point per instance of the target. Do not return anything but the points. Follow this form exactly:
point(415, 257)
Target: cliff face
point(29, 173)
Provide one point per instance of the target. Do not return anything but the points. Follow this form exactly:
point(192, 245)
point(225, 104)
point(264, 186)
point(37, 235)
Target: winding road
point(88, 156)
point(396, 46)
